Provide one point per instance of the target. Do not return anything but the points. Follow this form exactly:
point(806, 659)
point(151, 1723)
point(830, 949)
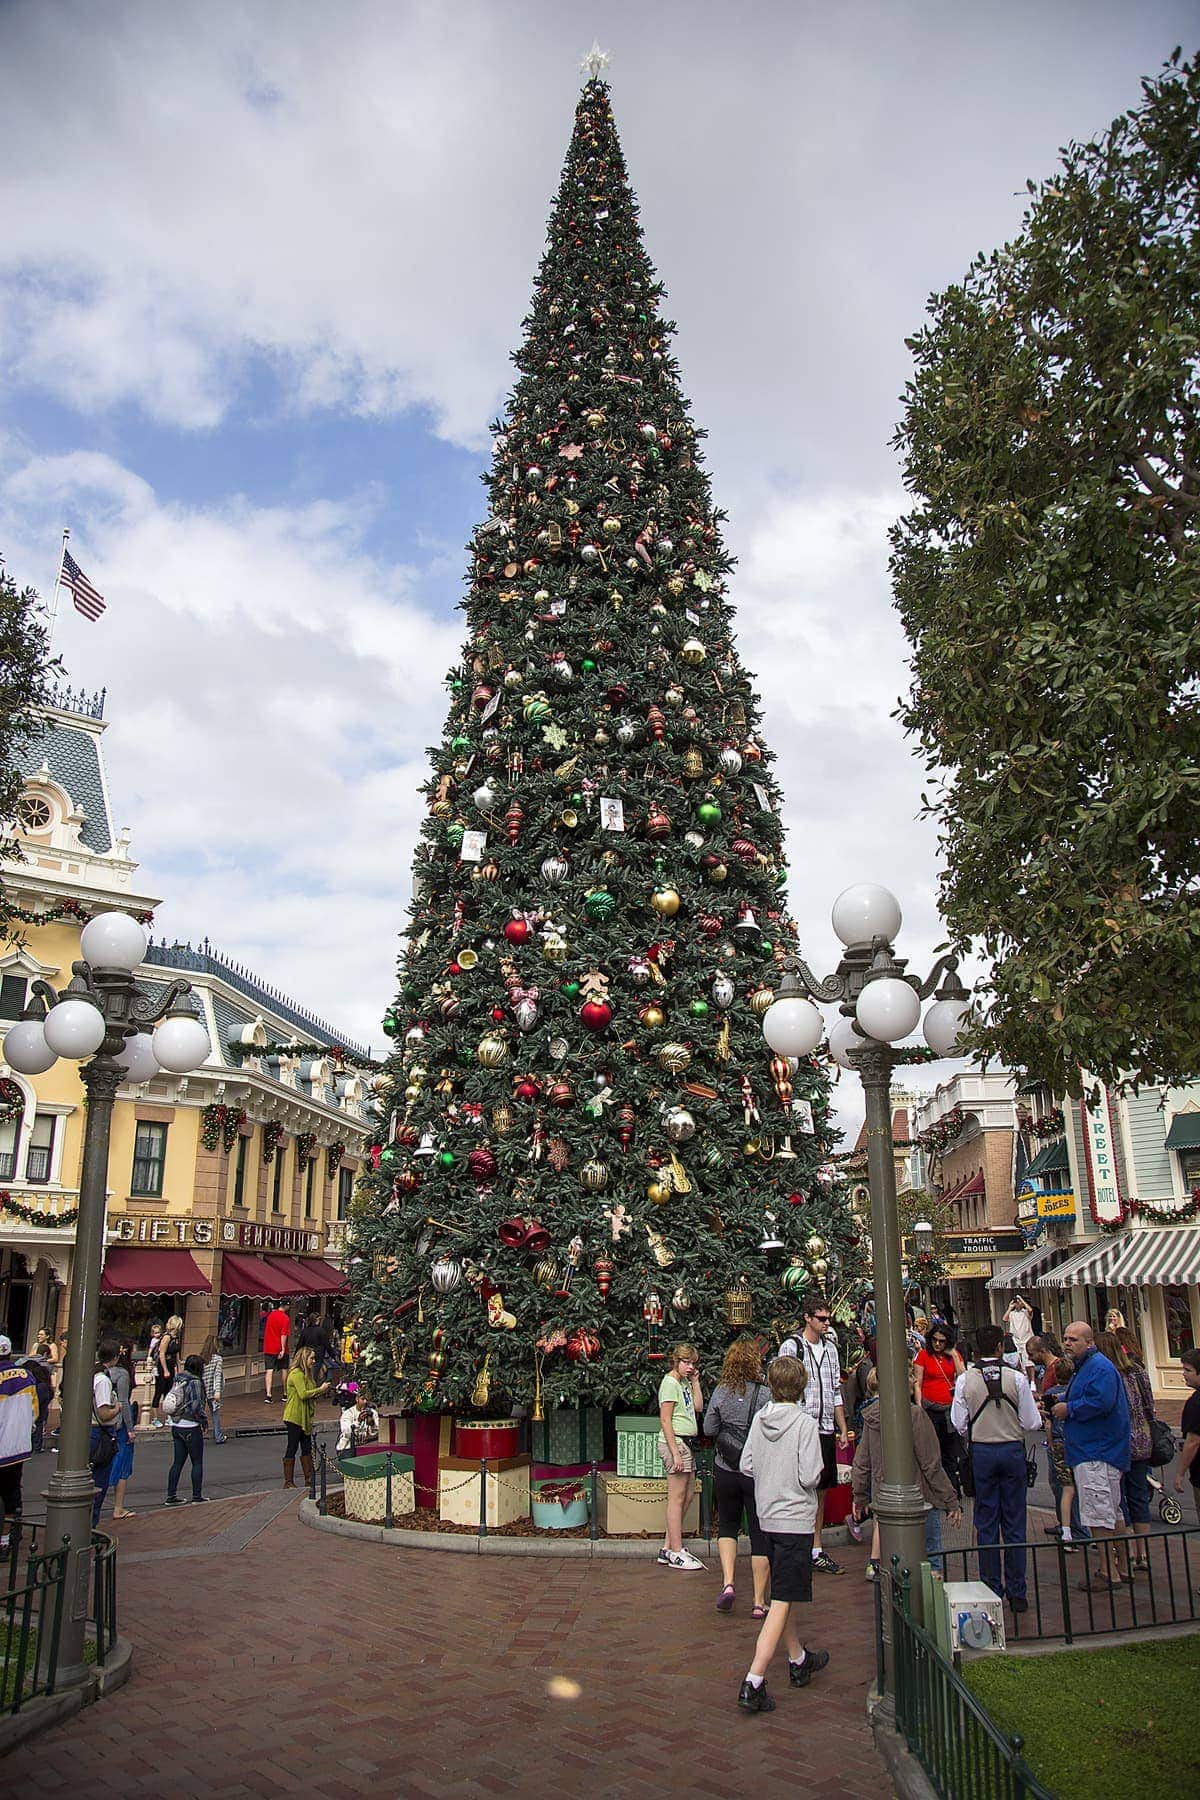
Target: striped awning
point(1052, 1158)
point(1152, 1257)
point(1020, 1274)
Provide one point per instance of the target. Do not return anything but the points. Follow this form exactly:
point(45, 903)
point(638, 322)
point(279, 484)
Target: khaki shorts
point(685, 1455)
point(1099, 1488)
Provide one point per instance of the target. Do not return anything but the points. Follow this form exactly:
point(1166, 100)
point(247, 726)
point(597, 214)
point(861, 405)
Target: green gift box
point(637, 1445)
point(569, 1434)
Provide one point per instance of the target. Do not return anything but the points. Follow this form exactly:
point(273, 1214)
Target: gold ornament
point(693, 764)
point(760, 1000)
point(658, 1190)
point(652, 1017)
point(693, 653)
point(594, 1176)
point(554, 946)
point(545, 1273)
point(481, 1392)
point(674, 1058)
point(739, 1302)
point(666, 901)
point(814, 1245)
point(491, 1051)
point(502, 1119)
point(664, 1256)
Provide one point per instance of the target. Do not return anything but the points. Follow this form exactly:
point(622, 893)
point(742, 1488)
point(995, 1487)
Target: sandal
point(758, 1612)
point(725, 1597)
point(124, 1515)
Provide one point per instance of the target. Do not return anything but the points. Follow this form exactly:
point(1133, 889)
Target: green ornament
point(577, 799)
point(766, 947)
point(456, 687)
point(445, 1159)
point(391, 1024)
point(588, 665)
point(714, 1157)
point(708, 812)
point(460, 743)
point(454, 835)
point(600, 905)
point(536, 708)
point(570, 988)
point(698, 1009)
point(387, 1156)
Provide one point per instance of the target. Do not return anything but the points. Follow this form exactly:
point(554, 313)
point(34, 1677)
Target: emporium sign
point(173, 1230)
point(1104, 1182)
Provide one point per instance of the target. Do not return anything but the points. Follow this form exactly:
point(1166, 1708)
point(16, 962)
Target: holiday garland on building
point(12, 1100)
point(333, 1158)
point(586, 1139)
point(220, 1124)
point(37, 1215)
point(272, 1134)
point(306, 1148)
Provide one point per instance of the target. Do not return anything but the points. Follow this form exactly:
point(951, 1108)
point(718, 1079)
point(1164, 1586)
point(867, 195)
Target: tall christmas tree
point(587, 1149)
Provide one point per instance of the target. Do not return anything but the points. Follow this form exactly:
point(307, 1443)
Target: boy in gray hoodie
point(783, 1456)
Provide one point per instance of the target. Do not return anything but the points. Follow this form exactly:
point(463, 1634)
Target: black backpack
point(993, 1381)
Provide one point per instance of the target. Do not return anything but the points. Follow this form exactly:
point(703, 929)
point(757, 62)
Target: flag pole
point(53, 619)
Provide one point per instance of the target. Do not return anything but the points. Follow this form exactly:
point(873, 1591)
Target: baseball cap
point(5, 1346)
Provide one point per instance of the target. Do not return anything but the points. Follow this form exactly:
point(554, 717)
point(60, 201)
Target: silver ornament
point(446, 1273)
point(694, 840)
point(680, 1125)
point(627, 732)
point(722, 991)
point(730, 760)
point(526, 1013)
point(485, 797)
point(555, 869)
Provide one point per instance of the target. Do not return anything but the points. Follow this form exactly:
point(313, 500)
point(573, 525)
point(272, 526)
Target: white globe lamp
point(866, 911)
point(793, 1026)
point(74, 1029)
point(888, 1009)
point(944, 1024)
point(138, 1059)
point(113, 941)
point(842, 1039)
point(26, 1049)
point(180, 1044)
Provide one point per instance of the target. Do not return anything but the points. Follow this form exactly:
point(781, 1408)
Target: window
point(12, 996)
point(1189, 1162)
point(233, 1324)
point(239, 1173)
point(34, 813)
point(277, 1186)
point(41, 1148)
point(308, 1189)
point(149, 1158)
point(345, 1191)
point(8, 1149)
point(1180, 1336)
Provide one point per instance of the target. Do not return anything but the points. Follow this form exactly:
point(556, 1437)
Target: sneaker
point(872, 1571)
point(664, 1555)
point(199, 1499)
point(683, 1559)
point(725, 1598)
point(800, 1674)
point(823, 1561)
point(174, 1500)
point(156, 1426)
point(755, 1699)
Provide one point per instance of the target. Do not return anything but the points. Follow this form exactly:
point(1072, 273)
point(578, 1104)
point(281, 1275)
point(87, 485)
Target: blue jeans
point(187, 1443)
point(101, 1477)
point(933, 1539)
point(999, 1471)
point(214, 1407)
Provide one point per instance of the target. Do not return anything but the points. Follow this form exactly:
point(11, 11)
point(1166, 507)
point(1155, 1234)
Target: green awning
point(1185, 1132)
point(1053, 1157)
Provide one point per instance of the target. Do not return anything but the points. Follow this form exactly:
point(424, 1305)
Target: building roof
point(68, 750)
point(231, 1018)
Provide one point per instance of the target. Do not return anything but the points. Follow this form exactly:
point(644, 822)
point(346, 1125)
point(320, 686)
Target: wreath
point(12, 1100)
point(221, 1124)
point(272, 1135)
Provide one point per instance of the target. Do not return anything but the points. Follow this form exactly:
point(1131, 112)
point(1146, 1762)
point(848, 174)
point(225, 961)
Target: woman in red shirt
point(935, 1371)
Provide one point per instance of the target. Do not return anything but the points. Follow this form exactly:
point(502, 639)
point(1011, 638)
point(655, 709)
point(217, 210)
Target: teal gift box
point(637, 1445)
point(569, 1434)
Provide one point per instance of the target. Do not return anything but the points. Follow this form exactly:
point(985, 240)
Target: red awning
point(954, 1192)
point(974, 1186)
point(128, 1270)
point(254, 1278)
point(314, 1276)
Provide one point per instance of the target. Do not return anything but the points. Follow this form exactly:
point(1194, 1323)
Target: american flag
point(88, 600)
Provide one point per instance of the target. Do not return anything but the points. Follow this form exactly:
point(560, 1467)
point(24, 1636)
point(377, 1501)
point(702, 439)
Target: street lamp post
point(129, 1037)
point(879, 1004)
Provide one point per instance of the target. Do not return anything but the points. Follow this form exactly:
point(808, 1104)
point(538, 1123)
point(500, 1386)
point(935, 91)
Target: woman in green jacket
point(301, 1397)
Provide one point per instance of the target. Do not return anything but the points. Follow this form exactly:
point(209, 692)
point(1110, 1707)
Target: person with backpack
point(784, 1458)
point(184, 1406)
point(731, 1407)
point(166, 1366)
point(993, 1408)
point(106, 1414)
point(816, 1347)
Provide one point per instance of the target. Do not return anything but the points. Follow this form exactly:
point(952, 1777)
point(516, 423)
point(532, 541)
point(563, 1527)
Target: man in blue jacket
point(1096, 1433)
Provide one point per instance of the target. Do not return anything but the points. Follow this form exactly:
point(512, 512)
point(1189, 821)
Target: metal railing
point(961, 1749)
point(1068, 1591)
point(32, 1598)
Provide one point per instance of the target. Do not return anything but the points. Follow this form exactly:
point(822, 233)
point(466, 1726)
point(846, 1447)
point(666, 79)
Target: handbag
point(730, 1443)
point(1162, 1444)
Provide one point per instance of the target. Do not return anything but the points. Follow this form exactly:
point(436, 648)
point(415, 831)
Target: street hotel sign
point(174, 1229)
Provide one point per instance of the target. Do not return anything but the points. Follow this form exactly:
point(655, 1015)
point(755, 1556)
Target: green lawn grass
point(1101, 1724)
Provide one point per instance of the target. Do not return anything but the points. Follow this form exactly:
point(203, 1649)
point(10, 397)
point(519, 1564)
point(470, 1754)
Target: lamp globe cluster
point(75, 1028)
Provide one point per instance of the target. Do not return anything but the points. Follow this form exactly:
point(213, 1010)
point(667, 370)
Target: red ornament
point(527, 1088)
point(454, 969)
point(407, 1135)
point(710, 925)
point(596, 1014)
point(743, 848)
point(482, 1164)
point(795, 1199)
point(408, 1180)
point(498, 1014)
point(517, 931)
point(628, 1119)
point(560, 1093)
point(514, 818)
point(658, 823)
point(481, 694)
point(583, 1345)
point(604, 1269)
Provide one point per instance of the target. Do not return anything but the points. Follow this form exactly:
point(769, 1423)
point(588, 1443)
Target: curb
point(48, 1710)
point(494, 1544)
point(908, 1778)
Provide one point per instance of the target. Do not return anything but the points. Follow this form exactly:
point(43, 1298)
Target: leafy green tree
point(1048, 580)
point(586, 1137)
point(23, 688)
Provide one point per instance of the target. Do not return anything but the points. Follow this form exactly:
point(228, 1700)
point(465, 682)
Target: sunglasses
point(821, 1318)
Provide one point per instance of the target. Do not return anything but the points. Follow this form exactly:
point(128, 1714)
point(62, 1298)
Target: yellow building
point(228, 1187)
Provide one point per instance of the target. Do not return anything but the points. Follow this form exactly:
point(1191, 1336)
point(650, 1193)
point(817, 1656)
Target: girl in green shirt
point(680, 1404)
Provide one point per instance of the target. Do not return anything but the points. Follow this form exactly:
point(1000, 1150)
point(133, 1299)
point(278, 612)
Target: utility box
point(976, 1616)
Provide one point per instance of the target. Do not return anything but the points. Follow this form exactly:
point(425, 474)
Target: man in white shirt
point(105, 1411)
point(993, 1407)
point(817, 1348)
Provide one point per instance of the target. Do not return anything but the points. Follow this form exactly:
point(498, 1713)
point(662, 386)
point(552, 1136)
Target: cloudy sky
point(261, 269)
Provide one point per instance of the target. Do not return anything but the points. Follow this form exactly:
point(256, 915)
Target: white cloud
point(271, 691)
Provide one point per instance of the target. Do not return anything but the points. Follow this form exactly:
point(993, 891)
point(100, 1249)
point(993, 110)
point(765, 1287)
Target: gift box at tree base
point(586, 1151)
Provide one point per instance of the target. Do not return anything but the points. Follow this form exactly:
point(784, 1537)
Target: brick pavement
point(335, 1668)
